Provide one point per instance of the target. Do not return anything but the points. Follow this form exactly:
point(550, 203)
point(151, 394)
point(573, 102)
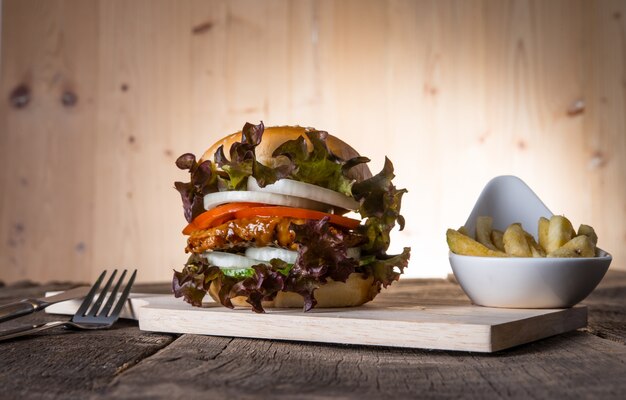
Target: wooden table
point(126, 363)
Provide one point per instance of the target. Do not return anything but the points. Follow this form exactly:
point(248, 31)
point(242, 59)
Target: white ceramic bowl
point(523, 282)
point(528, 282)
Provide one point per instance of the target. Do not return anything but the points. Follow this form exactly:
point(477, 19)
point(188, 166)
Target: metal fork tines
point(90, 314)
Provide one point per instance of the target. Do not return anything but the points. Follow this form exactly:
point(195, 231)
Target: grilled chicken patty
point(255, 231)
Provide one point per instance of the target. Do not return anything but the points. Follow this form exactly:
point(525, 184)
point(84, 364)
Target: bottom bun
point(355, 291)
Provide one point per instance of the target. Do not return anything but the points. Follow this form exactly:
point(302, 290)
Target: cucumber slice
point(238, 273)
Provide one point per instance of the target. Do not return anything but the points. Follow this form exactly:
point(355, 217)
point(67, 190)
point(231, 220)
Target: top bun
point(274, 136)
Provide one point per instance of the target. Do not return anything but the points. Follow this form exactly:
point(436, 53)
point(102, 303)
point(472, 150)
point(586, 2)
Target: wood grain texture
point(97, 98)
point(66, 364)
point(46, 145)
point(203, 367)
point(607, 311)
point(391, 320)
point(109, 352)
point(122, 363)
point(457, 327)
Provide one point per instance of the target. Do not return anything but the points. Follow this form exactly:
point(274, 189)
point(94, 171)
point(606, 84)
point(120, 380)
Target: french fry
point(497, 239)
point(483, 232)
point(515, 243)
point(589, 232)
point(464, 245)
point(542, 233)
point(580, 246)
point(560, 231)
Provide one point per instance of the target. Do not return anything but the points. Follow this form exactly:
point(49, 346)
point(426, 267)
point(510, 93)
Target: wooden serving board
point(443, 327)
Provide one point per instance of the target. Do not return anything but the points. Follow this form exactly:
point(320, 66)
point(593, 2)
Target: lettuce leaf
point(243, 163)
point(384, 270)
point(225, 174)
point(322, 254)
point(258, 283)
point(379, 199)
point(193, 282)
point(380, 203)
point(204, 178)
point(319, 166)
point(263, 285)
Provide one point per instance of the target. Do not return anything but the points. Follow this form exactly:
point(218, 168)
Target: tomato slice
point(278, 211)
point(226, 212)
point(216, 216)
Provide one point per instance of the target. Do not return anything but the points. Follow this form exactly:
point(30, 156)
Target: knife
point(28, 306)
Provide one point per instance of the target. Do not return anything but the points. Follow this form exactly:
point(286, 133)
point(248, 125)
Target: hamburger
point(287, 217)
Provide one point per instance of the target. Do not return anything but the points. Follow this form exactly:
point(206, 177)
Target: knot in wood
point(20, 96)
point(69, 98)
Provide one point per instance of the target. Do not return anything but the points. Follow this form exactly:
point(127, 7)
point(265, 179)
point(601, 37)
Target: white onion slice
point(354, 252)
point(288, 256)
point(303, 190)
point(268, 253)
point(230, 261)
point(213, 200)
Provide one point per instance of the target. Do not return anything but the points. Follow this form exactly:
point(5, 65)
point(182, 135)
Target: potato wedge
point(483, 231)
point(464, 245)
point(497, 238)
point(589, 232)
point(535, 249)
point(563, 253)
point(463, 231)
point(560, 231)
point(580, 246)
point(515, 243)
point(542, 233)
point(557, 238)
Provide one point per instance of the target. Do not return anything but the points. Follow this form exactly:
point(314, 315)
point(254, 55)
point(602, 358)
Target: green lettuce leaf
point(384, 270)
point(380, 203)
point(319, 166)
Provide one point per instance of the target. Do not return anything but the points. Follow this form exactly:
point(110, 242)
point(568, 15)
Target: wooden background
point(97, 99)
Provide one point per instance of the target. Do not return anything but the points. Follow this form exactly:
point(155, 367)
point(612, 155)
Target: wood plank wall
point(97, 99)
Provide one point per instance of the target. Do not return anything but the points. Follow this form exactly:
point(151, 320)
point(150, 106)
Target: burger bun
point(357, 290)
point(274, 136)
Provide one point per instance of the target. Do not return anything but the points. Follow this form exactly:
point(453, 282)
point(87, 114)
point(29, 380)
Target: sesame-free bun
point(274, 136)
point(356, 291)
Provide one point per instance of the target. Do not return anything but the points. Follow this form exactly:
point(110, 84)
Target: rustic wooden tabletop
point(125, 362)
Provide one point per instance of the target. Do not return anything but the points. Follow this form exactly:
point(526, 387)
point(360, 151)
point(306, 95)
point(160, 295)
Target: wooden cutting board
point(429, 326)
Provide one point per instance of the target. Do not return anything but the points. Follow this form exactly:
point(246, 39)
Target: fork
point(87, 317)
